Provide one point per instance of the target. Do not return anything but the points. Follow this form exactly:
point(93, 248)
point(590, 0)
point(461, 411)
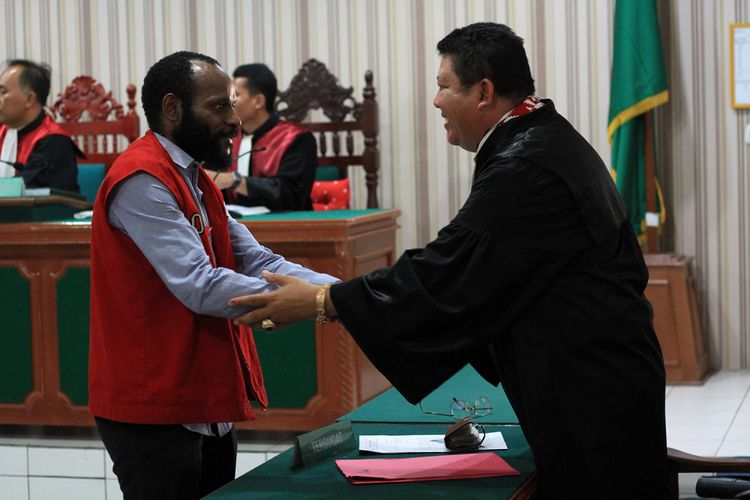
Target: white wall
point(569, 43)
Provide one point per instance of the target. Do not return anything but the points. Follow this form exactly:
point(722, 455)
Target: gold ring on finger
point(268, 325)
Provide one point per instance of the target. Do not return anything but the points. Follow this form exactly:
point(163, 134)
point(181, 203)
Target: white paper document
point(243, 211)
point(422, 443)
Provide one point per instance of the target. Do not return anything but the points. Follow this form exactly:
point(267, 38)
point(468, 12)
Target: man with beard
point(169, 372)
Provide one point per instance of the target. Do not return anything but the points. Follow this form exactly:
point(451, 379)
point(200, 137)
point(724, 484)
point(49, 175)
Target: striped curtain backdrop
point(706, 164)
point(569, 42)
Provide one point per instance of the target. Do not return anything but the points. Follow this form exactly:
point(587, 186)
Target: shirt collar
point(489, 132)
point(267, 125)
point(176, 153)
point(530, 104)
point(34, 124)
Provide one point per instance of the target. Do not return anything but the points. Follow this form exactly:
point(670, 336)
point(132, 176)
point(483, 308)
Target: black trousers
point(167, 462)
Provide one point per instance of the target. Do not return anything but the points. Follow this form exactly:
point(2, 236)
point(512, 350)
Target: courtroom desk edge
point(66, 232)
point(322, 229)
point(45, 200)
point(665, 259)
point(47, 231)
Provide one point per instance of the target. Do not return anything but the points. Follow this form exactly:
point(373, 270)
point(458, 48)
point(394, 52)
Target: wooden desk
point(274, 479)
point(677, 320)
point(390, 414)
point(44, 282)
point(40, 208)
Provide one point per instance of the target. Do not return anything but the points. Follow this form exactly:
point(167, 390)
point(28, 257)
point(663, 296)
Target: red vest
point(27, 142)
point(152, 360)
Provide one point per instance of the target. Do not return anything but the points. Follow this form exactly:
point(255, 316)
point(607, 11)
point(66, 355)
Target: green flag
point(639, 84)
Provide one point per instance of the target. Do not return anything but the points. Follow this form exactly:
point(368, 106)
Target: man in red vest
point(274, 161)
point(169, 371)
point(32, 145)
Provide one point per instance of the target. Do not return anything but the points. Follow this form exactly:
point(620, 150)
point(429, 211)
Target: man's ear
point(31, 99)
point(486, 93)
point(171, 108)
point(260, 102)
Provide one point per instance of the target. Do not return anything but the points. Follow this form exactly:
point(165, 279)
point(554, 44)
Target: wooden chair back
point(95, 120)
point(315, 88)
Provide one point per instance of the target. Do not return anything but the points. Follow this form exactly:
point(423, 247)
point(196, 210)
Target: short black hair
point(493, 51)
point(261, 80)
point(172, 74)
point(34, 76)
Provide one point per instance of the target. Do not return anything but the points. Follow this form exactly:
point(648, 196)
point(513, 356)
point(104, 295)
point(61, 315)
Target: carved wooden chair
point(95, 120)
point(338, 137)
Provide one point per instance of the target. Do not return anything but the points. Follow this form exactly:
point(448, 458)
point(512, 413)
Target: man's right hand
point(294, 301)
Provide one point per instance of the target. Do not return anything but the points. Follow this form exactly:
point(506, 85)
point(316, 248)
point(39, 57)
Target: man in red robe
point(32, 145)
point(274, 161)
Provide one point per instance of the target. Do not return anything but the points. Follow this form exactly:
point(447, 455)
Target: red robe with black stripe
point(27, 142)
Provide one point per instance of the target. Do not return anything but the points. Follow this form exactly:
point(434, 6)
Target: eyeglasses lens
point(480, 408)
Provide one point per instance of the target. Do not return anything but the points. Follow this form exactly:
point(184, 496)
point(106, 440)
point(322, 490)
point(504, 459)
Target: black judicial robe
point(538, 283)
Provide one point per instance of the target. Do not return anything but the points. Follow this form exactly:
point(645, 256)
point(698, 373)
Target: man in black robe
point(537, 282)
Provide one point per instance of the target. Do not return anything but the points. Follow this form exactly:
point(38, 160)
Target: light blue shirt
point(144, 208)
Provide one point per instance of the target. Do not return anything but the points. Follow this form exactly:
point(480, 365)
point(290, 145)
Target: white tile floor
point(712, 419)
point(34, 467)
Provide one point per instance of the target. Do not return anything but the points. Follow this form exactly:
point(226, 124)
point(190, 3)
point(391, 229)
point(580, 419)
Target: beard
point(195, 138)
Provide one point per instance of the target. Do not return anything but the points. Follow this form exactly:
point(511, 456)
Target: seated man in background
point(274, 161)
point(32, 145)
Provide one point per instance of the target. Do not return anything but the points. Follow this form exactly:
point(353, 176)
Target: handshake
point(295, 300)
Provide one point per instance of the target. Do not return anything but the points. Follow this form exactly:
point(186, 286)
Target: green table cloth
point(466, 385)
point(275, 479)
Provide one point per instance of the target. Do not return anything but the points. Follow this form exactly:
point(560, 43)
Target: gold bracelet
point(320, 304)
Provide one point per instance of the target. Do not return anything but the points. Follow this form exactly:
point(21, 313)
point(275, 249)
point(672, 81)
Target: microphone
point(15, 164)
point(256, 150)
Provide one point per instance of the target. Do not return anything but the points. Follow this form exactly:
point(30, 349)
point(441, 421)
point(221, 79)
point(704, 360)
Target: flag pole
point(652, 231)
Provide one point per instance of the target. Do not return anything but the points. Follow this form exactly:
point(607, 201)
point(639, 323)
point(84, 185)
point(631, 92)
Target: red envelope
point(432, 468)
